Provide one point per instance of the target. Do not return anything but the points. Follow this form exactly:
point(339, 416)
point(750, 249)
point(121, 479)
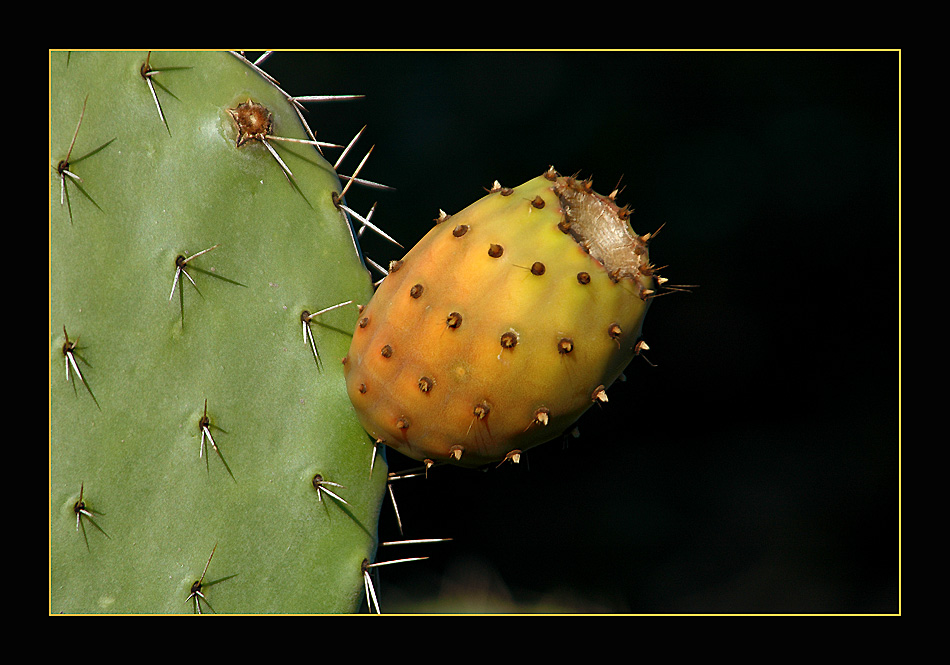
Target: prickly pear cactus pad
point(503, 325)
point(203, 452)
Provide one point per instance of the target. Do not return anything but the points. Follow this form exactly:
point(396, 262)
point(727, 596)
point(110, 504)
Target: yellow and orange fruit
point(503, 325)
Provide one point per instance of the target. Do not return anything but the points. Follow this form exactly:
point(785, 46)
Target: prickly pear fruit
point(503, 325)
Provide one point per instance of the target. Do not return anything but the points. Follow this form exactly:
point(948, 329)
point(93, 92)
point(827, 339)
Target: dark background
point(755, 467)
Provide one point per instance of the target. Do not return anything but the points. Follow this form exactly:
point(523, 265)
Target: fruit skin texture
point(277, 418)
point(503, 325)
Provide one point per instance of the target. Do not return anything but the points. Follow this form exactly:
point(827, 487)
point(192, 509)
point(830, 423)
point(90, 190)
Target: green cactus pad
point(195, 418)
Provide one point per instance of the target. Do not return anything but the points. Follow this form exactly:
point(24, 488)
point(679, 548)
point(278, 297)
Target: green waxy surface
point(277, 416)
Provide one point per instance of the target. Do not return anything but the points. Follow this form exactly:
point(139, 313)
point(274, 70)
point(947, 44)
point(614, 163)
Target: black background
point(755, 467)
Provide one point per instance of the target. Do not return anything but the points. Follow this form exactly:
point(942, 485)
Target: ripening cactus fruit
point(503, 325)
point(203, 452)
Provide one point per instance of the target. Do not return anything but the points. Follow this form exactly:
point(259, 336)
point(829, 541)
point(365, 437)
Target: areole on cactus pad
point(503, 325)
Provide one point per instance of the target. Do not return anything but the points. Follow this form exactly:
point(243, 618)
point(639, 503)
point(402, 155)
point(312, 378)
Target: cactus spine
point(201, 442)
